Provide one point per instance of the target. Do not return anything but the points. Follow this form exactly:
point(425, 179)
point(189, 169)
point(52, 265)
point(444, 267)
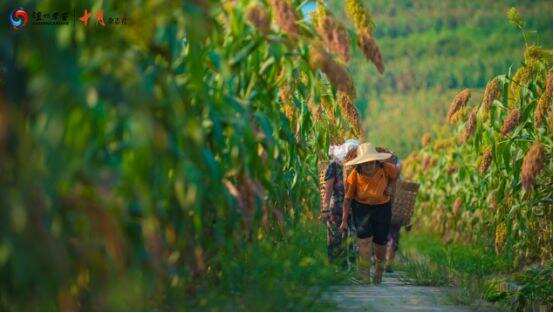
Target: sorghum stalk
point(470, 125)
point(332, 32)
point(510, 122)
point(533, 163)
point(459, 101)
point(285, 16)
point(544, 105)
point(486, 160)
point(492, 92)
point(258, 17)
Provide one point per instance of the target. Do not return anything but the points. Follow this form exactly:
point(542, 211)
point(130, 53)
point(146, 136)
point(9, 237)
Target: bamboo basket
point(321, 168)
point(403, 202)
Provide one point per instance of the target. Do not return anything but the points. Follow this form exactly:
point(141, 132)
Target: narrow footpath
point(394, 294)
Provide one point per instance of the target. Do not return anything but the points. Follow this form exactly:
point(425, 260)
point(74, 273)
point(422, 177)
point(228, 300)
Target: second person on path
point(333, 198)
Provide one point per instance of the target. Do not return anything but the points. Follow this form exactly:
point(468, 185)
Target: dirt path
point(393, 295)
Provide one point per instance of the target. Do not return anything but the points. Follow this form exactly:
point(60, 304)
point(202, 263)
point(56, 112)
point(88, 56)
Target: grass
point(483, 279)
point(422, 272)
point(279, 271)
point(285, 274)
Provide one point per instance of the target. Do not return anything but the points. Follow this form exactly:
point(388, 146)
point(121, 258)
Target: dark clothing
point(336, 245)
point(335, 248)
point(394, 236)
point(372, 221)
point(334, 172)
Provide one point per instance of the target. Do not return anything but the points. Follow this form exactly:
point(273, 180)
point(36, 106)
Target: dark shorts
point(372, 221)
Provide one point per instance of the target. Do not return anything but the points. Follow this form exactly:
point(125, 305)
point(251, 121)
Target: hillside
point(431, 50)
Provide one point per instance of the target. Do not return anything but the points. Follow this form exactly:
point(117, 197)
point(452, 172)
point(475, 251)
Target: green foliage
point(480, 274)
point(423, 273)
point(431, 50)
point(462, 202)
point(143, 165)
point(287, 273)
point(160, 166)
point(487, 181)
point(454, 257)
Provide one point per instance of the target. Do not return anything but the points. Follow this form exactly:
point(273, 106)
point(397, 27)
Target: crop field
point(171, 163)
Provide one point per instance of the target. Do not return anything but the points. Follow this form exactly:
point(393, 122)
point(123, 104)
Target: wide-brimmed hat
point(367, 153)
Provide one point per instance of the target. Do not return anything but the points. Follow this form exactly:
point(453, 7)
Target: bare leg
point(364, 259)
point(380, 251)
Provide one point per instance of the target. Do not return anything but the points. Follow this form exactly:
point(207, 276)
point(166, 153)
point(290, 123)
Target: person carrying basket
point(366, 196)
point(333, 195)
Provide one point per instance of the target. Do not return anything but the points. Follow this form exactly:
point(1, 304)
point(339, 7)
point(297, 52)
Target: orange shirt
point(370, 189)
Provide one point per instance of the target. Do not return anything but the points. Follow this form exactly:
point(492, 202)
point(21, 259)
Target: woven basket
point(403, 202)
point(321, 169)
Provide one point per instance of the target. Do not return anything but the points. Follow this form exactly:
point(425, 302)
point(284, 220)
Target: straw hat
point(367, 153)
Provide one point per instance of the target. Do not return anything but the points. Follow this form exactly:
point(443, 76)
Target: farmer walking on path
point(366, 194)
point(333, 198)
